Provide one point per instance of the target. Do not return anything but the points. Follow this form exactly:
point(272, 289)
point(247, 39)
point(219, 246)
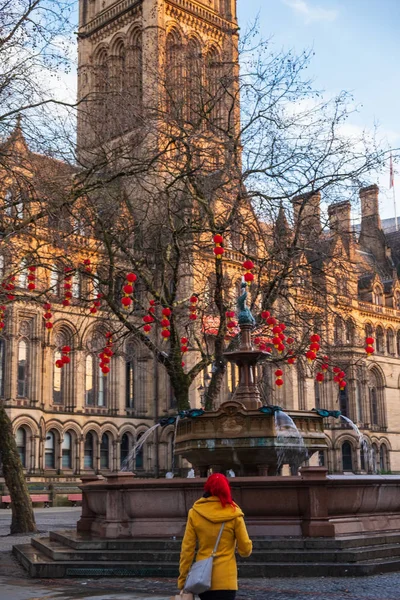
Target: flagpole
point(395, 211)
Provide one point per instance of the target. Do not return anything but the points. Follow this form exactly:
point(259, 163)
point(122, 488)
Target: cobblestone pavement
point(16, 585)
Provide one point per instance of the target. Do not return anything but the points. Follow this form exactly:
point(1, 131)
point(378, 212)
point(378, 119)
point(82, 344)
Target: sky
point(357, 49)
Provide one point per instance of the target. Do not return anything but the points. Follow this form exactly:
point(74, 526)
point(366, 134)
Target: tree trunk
point(23, 518)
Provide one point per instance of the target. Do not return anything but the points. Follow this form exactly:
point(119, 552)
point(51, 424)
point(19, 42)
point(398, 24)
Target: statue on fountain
point(244, 317)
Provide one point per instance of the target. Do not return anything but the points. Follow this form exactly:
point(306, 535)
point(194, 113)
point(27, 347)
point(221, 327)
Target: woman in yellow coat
point(203, 525)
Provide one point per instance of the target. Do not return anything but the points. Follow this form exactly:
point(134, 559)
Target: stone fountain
point(239, 435)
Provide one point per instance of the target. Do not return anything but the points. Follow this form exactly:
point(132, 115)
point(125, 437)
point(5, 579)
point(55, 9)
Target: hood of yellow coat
point(211, 509)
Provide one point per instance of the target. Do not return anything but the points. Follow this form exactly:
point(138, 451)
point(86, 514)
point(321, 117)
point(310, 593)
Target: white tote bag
point(199, 577)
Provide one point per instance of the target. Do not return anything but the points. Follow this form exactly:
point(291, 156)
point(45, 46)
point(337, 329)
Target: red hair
point(218, 485)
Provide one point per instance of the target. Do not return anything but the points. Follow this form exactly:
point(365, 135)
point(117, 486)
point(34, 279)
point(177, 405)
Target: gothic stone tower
point(128, 48)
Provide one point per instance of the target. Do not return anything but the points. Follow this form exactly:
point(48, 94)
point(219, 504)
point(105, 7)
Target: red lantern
point(310, 355)
point(147, 328)
point(66, 349)
point(105, 370)
point(276, 329)
point(248, 265)
point(265, 314)
point(369, 350)
point(231, 324)
point(336, 369)
point(315, 337)
point(281, 348)
point(47, 306)
point(165, 333)
point(131, 277)
point(184, 349)
point(257, 341)
point(320, 377)
point(49, 325)
point(279, 382)
point(165, 323)
point(279, 372)
point(47, 315)
point(128, 289)
point(369, 341)
point(184, 340)
point(271, 321)
point(342, 385)
point(93, 310)
point(166, 312)
point(290, 340)
point(291, 360)
point(193, 317)
point(59, 364)
point(218, 250)
point(193, 299)
point(314, 346)
point(31, 286)
point(324, 366)
point(126, 301)
point(66, 360)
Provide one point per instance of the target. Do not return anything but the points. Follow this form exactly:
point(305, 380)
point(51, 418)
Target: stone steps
point(58, 552)
point(68, 554)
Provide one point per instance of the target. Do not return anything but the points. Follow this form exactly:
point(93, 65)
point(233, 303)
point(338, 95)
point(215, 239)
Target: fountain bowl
point(241, 439)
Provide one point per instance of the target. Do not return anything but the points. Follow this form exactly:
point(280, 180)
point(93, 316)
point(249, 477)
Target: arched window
point(380, 340)
point(383, 458)
point(76, 286)
point(89, 380)
point(50, 451)
point(139, 459)
point(350, 332)
point(213, 85)
point(359, 397)
point(135, 73)
point(125, 448)
point(2, 366)
point(22, 370)
point(58, 379)
point(23, 274)
point(102, 89)
point(338, 331)
point(66, 450)
point(130, 377)
point(54, 281)
point(368, 330)
point(89, 451)
point(317, 394)
point(344, 401)
point(347, 457)
point(378, 295)
point(20, 439)
point(396, 301)
point(390, 341)
point(105, 452)
point(174, 75)
point(194, 81)
point(375, 387)
point(374, 458)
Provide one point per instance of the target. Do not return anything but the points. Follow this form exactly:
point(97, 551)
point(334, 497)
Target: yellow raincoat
point(203, 525)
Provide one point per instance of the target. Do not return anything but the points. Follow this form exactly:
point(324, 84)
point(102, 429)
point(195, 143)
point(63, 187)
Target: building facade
point(76, 421)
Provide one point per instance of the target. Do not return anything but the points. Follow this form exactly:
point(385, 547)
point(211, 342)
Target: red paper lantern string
point(96, 303)
point(231, 324)
point(218, 249)
point(106, 354)
point(369, 347)
point(2, 313)
point(165, 323)
point(47, 315)
point(279, 380)
point(320, 377)
point(9, 286)
point(184, 348)
point(87, 265)
point(148, 319)
point(67, 287)
point(31, 278)
point(128, 290)
point(248, 265)
point(65, 359)
point(193, 307)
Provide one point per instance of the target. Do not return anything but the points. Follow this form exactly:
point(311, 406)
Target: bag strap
point(218, 540)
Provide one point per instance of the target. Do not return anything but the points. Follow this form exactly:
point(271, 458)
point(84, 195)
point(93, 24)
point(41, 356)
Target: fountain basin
point(312, 505)
point(245, 440)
